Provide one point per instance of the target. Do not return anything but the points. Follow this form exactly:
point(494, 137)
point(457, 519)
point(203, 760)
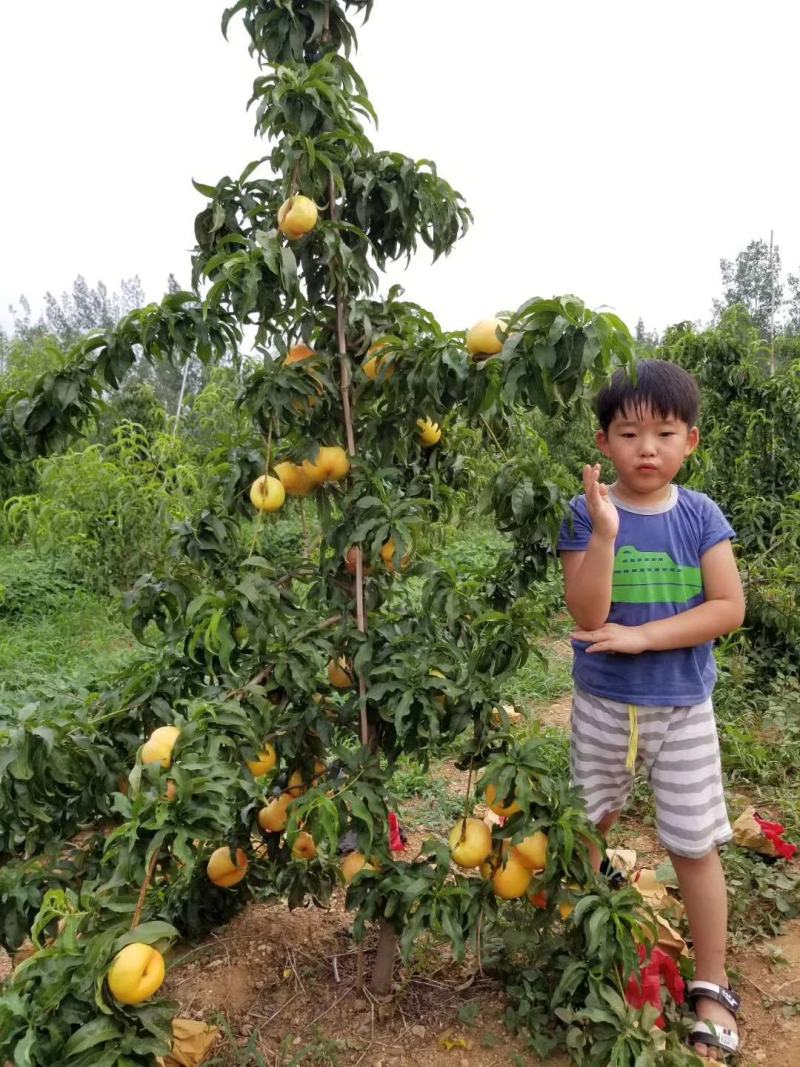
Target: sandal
point(616, 879)
point(711, 1034)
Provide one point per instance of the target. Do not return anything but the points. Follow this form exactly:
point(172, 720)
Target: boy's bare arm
point(722, 612)
point(587, 582)
point(588, 575)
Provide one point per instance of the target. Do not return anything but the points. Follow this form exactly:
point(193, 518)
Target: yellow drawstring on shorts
point(633, 743)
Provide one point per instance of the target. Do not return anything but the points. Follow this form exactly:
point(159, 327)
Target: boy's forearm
point(696, 626)
point(589, 598)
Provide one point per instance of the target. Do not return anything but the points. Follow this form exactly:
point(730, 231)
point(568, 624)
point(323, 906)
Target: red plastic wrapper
point(397, 839)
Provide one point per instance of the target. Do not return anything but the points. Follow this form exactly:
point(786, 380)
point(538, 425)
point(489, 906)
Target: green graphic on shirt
point(652, 578)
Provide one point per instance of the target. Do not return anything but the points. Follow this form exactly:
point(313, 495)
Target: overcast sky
point(610, 148)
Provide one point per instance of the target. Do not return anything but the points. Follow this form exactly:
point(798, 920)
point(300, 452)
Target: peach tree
point(278, 684)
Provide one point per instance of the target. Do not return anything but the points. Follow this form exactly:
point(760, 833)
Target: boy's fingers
point(586, 635)
point(593, 644)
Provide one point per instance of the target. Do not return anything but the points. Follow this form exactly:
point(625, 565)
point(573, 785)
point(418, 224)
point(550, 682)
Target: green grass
point(553, 750)
point(55, 637)
point(542, 679)
point(547, 674)
point(428, 800)
point(468, 549)
point(762, 895)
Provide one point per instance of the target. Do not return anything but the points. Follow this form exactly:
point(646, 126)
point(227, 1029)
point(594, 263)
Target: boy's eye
point(667, 433)
point(629, 434)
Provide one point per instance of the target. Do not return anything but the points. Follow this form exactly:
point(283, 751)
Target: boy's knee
point(607, 821)
point(692, 862)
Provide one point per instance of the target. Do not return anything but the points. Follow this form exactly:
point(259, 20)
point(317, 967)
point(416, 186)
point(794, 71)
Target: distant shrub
point(106, 508)
point(32, 585)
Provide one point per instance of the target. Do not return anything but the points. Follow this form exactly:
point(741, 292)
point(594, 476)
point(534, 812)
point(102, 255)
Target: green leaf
point(148, 933)
point(468, 1013)
point(92, 1033)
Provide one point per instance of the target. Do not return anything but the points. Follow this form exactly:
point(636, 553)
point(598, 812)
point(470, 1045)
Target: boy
point(650, 580)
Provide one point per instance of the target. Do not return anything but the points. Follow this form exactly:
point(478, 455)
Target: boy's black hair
point(665, 388)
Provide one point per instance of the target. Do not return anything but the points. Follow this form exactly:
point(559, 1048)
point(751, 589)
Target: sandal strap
point(715, 1037)
point(728, 998)
point(616, 879)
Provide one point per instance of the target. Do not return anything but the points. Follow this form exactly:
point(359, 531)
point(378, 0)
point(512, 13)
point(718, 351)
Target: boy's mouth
point(647, 468)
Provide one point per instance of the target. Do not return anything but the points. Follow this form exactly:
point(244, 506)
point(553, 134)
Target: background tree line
point(35, 346)
point(754, 281)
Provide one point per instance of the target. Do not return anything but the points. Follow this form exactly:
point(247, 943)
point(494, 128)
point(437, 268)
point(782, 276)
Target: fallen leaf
point(451, 1043)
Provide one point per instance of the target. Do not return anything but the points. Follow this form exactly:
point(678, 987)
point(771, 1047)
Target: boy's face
point(646, 448)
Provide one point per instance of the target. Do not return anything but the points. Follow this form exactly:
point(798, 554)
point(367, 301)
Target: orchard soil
point(284, 980)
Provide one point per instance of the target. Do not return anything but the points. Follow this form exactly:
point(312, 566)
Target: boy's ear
point(601, 440)
point(692, 441)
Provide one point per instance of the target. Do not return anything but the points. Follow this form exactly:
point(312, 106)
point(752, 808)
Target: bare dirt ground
point(288, 977)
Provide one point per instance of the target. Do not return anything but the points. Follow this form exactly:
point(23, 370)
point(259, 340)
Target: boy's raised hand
point(604, 516)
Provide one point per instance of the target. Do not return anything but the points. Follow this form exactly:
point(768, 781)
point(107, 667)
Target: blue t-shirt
point(657, 575)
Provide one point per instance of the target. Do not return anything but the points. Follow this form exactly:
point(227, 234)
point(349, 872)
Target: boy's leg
point(702, 886)
point(603, 826)
point(598, 750)
point(686, 776)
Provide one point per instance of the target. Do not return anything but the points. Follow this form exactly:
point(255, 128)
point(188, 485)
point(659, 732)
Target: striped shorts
point(676, 746)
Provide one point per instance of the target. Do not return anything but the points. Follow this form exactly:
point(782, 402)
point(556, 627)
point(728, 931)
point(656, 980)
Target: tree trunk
point(383, 967)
